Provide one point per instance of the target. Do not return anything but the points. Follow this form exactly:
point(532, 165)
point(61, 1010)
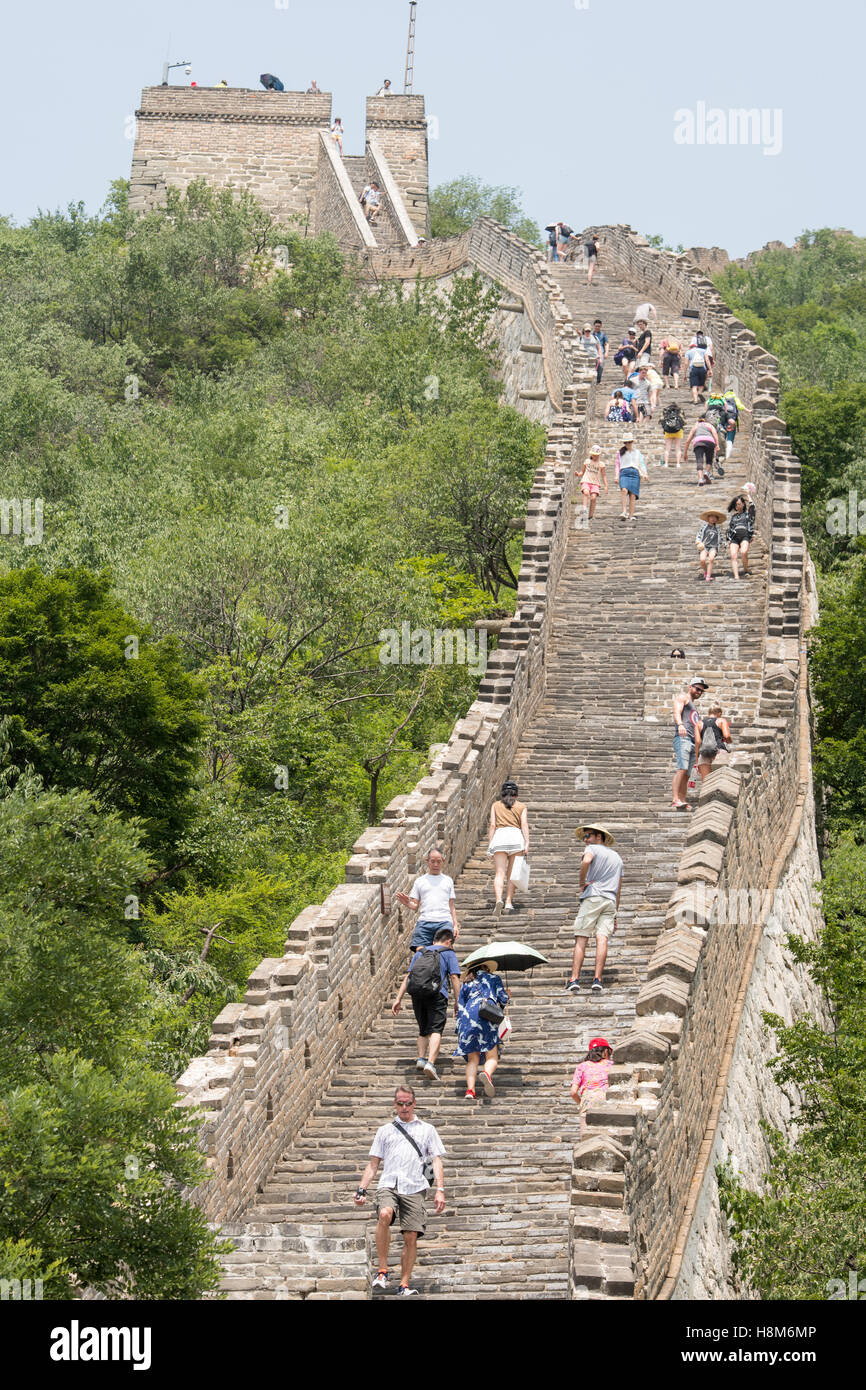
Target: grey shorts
point(409, 1207)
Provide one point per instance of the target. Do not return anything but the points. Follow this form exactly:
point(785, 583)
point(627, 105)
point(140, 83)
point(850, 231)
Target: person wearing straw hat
point(631, 469)
point(709, 540)
point(589, 345)
point(478, 1036)
point(600, 888)
point(592, 475)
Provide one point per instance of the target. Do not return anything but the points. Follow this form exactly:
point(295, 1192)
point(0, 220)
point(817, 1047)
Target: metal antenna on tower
point(409, 77)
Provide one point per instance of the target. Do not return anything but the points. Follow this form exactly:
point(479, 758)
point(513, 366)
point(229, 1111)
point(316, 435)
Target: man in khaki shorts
point(402, 1147)
point(600, 888)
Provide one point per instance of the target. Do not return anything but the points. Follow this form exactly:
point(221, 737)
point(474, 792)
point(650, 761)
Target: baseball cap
point(599, 1042)
point(699, 680)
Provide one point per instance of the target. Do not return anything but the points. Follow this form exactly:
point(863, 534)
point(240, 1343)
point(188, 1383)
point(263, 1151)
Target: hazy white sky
point(588, 106)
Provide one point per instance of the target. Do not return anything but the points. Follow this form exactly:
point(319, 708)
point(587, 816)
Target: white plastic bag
point(520, 871)
point(505, 1029)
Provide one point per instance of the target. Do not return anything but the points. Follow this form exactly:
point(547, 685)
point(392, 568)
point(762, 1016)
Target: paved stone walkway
point(629, 592)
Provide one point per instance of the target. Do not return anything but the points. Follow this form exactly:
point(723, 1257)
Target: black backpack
point(425, 974)
point(672, 419)
point(701, 340)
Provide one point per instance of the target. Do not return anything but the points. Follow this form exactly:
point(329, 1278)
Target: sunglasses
point(404, 1104)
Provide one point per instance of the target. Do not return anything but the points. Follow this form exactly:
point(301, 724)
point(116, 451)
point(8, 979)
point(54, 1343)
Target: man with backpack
point(673, 424)
point(731, 419)
point(427, 980)
point(698, 358)
point(716, 415)
point(671, 363)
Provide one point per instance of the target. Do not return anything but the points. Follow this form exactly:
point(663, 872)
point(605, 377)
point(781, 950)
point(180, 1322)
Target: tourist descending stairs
point(599, 747)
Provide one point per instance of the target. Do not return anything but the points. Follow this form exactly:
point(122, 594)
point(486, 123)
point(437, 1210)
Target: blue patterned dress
point(475, 1034)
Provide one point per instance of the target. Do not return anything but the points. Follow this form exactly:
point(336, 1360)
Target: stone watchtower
point(277, 146)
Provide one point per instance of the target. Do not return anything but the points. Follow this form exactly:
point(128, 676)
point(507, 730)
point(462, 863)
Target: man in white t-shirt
point(600, 889)
point(402, 1186)
point(433, 893)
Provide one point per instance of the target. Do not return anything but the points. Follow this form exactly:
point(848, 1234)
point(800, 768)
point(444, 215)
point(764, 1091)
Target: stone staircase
point(599, 746)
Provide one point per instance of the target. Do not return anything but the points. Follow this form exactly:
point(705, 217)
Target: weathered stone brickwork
point(654, 1136)
point(273, 1055)
point(778, 985)
point(276, 146)
point(640, 1172)
point(264, 142)
point(400, 128)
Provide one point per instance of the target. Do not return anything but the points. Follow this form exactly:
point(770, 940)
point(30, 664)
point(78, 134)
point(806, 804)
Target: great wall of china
point(300, 1073)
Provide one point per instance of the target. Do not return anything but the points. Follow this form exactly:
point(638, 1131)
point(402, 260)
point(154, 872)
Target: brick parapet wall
point(649, 1138)
point(268, 143)
point(265, 143)
point(398, 124)
point(272, 1055)
point(339, 211)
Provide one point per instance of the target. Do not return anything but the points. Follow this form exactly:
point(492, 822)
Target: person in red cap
point(591, 1077)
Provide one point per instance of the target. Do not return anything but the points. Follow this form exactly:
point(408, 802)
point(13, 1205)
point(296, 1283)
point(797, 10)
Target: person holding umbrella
point(481, 1007)
point(600, 888)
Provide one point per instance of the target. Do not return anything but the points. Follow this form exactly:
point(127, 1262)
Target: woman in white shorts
point(509, 836)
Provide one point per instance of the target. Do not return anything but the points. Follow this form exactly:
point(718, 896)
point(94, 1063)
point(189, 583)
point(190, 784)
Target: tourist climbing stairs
point(598, 748)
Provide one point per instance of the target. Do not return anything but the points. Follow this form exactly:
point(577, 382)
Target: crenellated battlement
point(270, 144)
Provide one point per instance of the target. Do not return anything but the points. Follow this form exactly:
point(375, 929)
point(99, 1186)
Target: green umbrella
point(509, 955)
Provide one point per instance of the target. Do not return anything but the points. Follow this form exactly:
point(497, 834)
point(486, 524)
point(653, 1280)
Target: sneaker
point(509, 907)
point(430, 1070)
point(597, 986)
point(381, 1282)
point(404, 1292)
point(487, 1083)
point(573, 987)
point(497, 911)
point(421, 1064)
point(470, 1095)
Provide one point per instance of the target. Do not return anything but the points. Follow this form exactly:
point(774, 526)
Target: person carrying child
point(741, 529)
point(591, 1077)
point(714, 733)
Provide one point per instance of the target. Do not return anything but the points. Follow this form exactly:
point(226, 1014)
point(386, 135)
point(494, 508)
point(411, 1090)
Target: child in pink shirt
point(592, 1077)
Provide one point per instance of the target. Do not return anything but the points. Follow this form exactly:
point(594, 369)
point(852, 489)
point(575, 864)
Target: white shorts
point(507, 839)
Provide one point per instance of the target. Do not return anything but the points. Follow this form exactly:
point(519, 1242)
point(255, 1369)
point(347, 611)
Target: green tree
point(455, 205)
point(806, 1226)
point(93, 702)
point(93, 1147)
point(838, 660)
